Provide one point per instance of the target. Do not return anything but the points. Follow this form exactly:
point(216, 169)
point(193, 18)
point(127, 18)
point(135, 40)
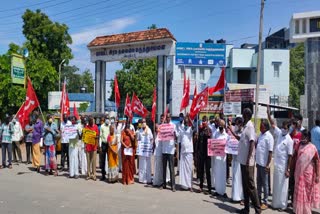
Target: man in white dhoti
point(237, 191)
point(219, 166)
point(283, 151)
point(186, 134)
point(73, 150)
point(145, 141)
point(263, 159)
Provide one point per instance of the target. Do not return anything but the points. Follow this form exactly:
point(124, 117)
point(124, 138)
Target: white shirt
point(248, 134)
point(179, 127)
point(17, 131)
point(219, 135)
point(168, 147)
point(213, 128)
point(185, 136)
point(264, 146)
point(64, 139)
point(282, 150)
point(145, 136)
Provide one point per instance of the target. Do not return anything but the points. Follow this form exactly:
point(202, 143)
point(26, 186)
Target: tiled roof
point(154, 34)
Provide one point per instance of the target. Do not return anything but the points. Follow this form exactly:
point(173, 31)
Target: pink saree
point(306, 191)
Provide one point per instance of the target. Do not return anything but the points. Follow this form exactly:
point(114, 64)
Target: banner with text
point(144, 149)
point(216, 147)
point(89, 136)
point(232, 145)
point(166, 132)
point(70, 132)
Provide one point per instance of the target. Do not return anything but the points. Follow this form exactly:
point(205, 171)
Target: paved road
point(23, 191)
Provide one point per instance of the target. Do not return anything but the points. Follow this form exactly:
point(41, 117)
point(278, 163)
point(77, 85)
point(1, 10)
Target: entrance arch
point(151, 43)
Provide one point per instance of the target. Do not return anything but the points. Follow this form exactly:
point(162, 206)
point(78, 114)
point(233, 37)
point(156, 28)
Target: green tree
point(87, 80)
point(83, 107)
point(47, 39)
point(138, 76)
point(297, 69)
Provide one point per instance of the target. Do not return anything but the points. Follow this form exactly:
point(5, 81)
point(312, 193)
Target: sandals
point(10, 166)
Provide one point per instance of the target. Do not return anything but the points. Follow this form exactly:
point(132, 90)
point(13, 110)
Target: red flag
point(116, 92)
point(186, 95)
point(154, 105)
point(127, 108)
point(20, 115)
point(75, 111)
point(31, 100)
point(64, 103)
point(193, 104)
point(201, 101)
point(220, 84)
point(137, 107)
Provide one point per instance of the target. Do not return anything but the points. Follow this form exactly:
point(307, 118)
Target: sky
point(236, 21)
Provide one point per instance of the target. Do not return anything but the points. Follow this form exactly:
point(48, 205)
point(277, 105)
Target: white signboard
point(232, 108)
point(133, 51)
point(54, 98)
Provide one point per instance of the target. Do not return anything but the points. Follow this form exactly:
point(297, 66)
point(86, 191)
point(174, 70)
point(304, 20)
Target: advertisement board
point(18, 69)
point(207, 54)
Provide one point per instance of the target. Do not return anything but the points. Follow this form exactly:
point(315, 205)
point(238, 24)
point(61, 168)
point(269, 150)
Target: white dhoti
point(144, 169)
point(212, 172)
point(237, 191)
point(73, 160)
point(280, 189)
point(82, 158)
point(185, 170)
point(220, 173)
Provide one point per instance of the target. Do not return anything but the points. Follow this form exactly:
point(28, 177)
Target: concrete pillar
point(100, 86)
point(312, 79)
point(161, 85)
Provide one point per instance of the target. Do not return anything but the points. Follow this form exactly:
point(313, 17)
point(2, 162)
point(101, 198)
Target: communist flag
point(127, 108)
point(137, 107)
point(220, 84)
point(64, 103)
point(186, 90)
point(201, 101)
point(116, 92)
point(75, 111)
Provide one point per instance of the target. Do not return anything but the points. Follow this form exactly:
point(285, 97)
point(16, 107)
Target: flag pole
point(18, 110)
point(42, 114)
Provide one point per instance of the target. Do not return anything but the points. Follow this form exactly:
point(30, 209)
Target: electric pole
point(259, 65)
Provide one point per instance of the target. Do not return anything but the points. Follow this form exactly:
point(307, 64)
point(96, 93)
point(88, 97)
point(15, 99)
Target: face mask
point(186, 127)
point(79, 121)
point(144, 125)
point(284, 132)
point(181, 119)
point(112, 120)
point(74, 122)
point(107, 122)
point(50, 120)
point(221, 129)
point(204, 123)
point(236, 128)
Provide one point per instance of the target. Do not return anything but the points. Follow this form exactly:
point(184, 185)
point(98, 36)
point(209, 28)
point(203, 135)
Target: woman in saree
point(113, 161)
point(127, 153)
point(307, 186)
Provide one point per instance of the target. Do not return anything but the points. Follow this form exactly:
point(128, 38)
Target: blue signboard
point(207, 54)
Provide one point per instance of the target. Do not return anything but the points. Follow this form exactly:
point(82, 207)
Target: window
point(193, 73)
point(276, 69)
point(201, 73)
point(297, 26)
point(182, 73)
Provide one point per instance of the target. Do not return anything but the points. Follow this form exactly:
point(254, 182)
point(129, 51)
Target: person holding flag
point(36, 138)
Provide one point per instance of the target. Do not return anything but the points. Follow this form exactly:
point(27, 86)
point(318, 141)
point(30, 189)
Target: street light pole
point(259, 64)
point(60, 73)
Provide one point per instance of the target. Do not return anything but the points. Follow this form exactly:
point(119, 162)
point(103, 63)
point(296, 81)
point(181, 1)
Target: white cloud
point(111, 27)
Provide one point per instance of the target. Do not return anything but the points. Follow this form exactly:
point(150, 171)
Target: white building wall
point(278, 85)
